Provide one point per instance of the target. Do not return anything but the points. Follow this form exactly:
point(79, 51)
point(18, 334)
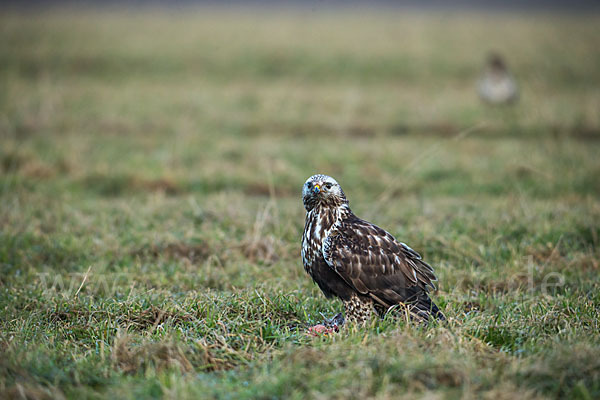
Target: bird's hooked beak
point(316, 188)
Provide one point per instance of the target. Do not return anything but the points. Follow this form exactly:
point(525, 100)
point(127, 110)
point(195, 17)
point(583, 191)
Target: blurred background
point(187, 97)
point(198, 97)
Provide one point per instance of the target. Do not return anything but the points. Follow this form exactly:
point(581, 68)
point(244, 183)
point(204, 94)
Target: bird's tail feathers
point(427, 309)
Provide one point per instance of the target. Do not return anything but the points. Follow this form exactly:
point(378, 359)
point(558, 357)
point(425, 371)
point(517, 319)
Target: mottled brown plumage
point(358, 262)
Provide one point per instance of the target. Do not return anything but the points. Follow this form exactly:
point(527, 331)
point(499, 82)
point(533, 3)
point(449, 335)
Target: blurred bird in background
point(497, 85)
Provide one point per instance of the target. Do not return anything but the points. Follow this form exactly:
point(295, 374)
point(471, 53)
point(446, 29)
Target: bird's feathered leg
point(359, 309)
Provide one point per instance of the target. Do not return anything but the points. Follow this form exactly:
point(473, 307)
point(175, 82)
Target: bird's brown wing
point(376, 264)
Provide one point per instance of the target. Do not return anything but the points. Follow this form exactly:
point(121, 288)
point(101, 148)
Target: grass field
point(150, 174)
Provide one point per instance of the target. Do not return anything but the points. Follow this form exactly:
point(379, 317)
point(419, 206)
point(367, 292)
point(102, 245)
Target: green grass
point(150, 219)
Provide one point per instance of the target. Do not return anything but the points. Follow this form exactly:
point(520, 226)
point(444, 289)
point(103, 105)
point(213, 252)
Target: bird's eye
point(309, 184)
point(328, 185)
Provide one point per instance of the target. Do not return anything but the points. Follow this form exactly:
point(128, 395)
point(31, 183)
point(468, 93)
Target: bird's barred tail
point(427, 308)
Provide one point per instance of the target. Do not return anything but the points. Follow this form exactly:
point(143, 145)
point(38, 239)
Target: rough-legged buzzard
point(358, 262)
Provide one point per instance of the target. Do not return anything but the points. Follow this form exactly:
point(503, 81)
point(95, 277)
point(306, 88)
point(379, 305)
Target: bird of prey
point(358, 262)
point(497, 85)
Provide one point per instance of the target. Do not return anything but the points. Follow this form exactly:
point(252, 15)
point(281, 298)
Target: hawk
point(358, 262)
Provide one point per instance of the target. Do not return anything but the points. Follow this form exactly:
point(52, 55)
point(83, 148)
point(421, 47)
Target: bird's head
point(323, 190)
point(496, 63)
